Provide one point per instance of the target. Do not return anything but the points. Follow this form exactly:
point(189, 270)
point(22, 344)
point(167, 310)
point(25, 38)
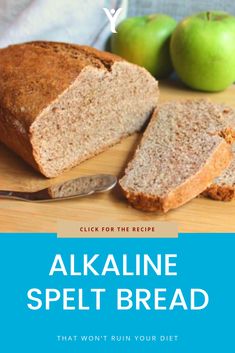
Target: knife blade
point(79, 187)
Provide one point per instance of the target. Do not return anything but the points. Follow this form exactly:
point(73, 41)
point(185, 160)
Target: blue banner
point(47, 302)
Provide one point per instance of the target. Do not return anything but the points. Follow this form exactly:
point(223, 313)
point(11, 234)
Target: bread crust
point(34, 74)
point(21, 144)
point(220, 192)
point(223, 188)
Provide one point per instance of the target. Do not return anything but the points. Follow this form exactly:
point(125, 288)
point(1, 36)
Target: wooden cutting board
point(199, 215)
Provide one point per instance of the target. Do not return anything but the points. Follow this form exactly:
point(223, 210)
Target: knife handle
point(25, 196)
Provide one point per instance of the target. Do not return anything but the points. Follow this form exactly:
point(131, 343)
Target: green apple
point(145, 41)
point(203, 51)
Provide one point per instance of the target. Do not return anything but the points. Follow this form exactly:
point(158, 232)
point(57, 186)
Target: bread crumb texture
point(186, 145)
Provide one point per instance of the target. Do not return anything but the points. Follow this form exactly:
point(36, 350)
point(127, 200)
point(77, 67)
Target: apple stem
point(208, 15)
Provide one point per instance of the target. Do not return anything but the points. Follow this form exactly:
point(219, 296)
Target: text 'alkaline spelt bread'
point(185, 147)
point(223, 187)
point(61, 104)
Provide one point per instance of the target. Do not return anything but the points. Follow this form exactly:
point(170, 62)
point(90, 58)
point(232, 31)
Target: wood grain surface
point(199, 215)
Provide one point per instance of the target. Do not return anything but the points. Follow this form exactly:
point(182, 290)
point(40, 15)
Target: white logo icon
point(112, 16)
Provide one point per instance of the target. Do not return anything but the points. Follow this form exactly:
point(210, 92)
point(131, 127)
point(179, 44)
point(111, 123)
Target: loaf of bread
point(186, 145)
point(61, 104)
point(223, 187)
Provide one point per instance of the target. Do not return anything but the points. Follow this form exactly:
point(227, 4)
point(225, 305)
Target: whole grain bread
point(61, 104)
point(223, 187)
point(186, 145)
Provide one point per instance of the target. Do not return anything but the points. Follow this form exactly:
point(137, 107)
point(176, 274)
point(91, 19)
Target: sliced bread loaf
point(61, 104)
point(185, 146)
point(223, 187)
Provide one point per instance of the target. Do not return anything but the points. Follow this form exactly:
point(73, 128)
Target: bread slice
point(223, 187)
point(185, 147)
point(61, 104)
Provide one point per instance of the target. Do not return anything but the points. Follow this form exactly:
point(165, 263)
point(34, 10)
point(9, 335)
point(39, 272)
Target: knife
point(71, 189)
